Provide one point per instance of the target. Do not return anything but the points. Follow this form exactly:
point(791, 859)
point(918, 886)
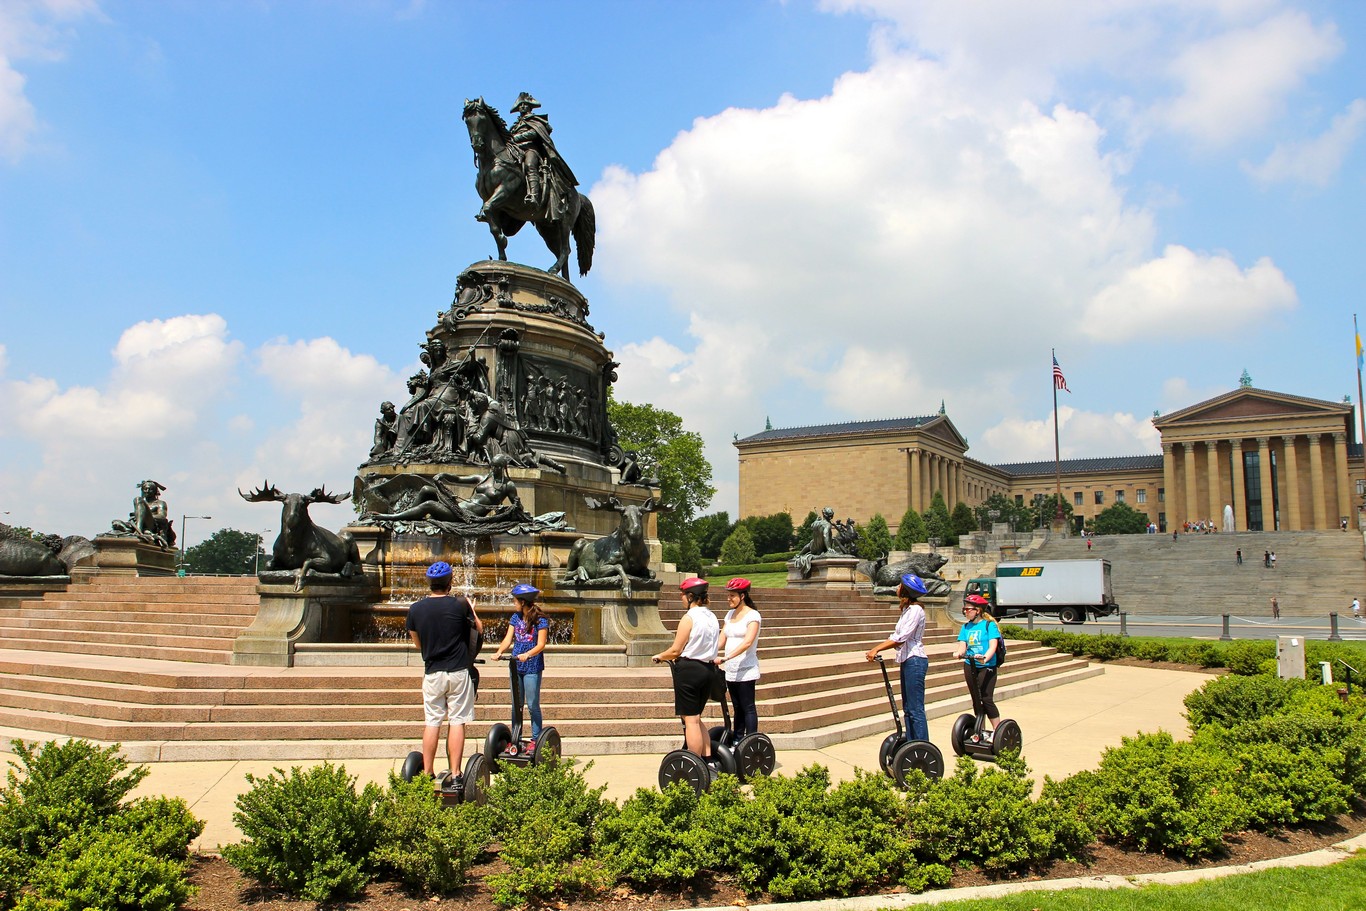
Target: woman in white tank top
point(693, 652)
point(740, 656)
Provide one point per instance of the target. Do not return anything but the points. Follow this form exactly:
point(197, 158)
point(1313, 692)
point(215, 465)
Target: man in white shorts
point(440, 626)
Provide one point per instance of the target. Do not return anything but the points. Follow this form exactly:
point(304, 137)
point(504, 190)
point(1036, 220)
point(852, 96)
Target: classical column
point(1192, 485)
point(1216, 513)
point(1293, 521)
point(1340, 466)
point(1316, 480)
point(914, 493)
point(1168, 504)
point(931, 477)
point(1239, 487)
point(1268, 499)
point(958, 496)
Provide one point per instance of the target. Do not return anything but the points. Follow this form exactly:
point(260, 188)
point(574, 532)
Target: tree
point(685, 556)
point(1008, 512)
point(710, 532)
point(739, 547)
point(676, 454)
point(911, 531)
point(1045, 509)
point(1120, 519)
point(874, 539)
point(801, 535)
point(226, 551)
point(937, 522)
point(962, 520)
point(771, 533)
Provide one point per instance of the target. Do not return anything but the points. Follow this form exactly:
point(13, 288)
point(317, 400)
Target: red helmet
point(695, 584)
point(976, 601)
point(737, 585)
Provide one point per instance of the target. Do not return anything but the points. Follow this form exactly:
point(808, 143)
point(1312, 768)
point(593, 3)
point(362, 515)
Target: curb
point(1322, 857)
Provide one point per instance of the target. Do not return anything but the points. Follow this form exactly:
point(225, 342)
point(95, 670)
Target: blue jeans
point(913, 697)
point(531, 695)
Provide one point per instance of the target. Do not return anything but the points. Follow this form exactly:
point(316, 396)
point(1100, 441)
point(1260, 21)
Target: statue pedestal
point(128, 557)
point(14, 589)
point(610, 618)
point(827, 572)
point(319, 612)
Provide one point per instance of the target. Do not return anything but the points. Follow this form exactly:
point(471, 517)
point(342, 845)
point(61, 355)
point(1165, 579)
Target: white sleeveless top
point(705, 631)
point(746, 666)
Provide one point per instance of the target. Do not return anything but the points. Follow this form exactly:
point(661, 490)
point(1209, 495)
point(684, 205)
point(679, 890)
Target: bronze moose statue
point(302, 546)
point(618, 557)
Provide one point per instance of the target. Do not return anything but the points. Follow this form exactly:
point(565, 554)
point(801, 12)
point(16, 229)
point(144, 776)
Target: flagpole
point(1057, 459)
point(1361, 414)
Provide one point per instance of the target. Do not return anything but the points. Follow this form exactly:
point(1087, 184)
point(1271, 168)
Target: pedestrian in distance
point(1088, 545)
point(527, 635)
point(908, 638)
point(440, 626)
point(739, 655)
point(1239, 554)
point(1356, 609)
point(1273, 559)
point(1266, 558)
point(1275, 608)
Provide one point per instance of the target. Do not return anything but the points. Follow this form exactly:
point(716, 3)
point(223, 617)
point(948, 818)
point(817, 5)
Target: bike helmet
point(914, 583)
point(976, 601)
point(737, 585)
point(439, 570)
point(695, 584)
point(525, 592)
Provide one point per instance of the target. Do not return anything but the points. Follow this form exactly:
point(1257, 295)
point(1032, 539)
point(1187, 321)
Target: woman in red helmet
point(740, 655)
point(977, 647)
point(694, 654)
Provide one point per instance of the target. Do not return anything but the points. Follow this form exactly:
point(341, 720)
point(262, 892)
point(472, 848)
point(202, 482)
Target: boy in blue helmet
point(440, 627)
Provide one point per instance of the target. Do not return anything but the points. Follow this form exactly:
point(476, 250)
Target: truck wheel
point(1072, 615)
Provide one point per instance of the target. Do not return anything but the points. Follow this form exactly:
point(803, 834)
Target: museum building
point(1282, 462)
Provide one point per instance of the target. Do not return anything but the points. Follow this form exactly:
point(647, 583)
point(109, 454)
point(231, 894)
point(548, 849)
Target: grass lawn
point(767, 580)
point(1340, 887)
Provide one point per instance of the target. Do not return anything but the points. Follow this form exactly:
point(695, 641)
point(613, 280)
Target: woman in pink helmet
point(740, 656)
point(977, 642)
point(694, 654)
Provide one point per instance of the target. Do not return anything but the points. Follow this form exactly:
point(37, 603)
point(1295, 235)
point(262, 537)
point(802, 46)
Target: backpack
point(1000, 650)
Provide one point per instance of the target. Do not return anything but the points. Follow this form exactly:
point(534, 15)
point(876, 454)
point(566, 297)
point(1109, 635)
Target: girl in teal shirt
point(977, 642)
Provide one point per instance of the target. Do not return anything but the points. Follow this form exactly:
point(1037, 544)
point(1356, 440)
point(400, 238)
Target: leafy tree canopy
point(937, 522)
point(1120, 519)
point(772, 534)
point(962, 520)
point(802, 533)
point(710, 532)
point(874, 539)
point(676, 454)
point(227, 551)
point(911, 531)
point(1044, 509)
point(739, 547)
point(1008, 512)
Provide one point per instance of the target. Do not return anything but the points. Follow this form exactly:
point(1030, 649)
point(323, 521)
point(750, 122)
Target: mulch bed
point(222, 888)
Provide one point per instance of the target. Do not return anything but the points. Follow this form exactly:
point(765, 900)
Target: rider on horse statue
point(531, 135)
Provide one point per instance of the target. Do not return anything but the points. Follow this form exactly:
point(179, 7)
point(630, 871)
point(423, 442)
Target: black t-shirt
point(442, 624)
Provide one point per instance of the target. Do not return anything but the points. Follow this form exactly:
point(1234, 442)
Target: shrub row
point(69, 838)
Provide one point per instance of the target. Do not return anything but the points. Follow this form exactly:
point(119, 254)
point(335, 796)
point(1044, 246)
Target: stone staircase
point(816, 689)
point(1197, 575)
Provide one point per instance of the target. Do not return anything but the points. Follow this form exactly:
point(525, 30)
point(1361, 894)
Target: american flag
point(1059, 381)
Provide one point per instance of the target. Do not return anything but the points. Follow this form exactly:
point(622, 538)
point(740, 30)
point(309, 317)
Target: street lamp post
point(184, 535)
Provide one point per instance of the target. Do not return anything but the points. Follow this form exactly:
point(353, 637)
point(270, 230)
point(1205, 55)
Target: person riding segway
point(696, 679)
point(449, 633)
point(527, 634)
point(909, 747)
point(982, 649)
point(754, 753)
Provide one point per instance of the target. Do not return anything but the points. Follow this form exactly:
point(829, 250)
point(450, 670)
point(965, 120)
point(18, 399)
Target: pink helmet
point(737, 585)
point(976, 601)
point(695, 584)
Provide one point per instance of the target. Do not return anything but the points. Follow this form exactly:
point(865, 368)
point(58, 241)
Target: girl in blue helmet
point(908, 638)
point(528, 631)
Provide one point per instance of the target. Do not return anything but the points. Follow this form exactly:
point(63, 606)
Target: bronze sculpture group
point(149, 520)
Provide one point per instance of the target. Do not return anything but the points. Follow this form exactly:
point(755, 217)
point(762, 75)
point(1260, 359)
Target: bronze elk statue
point(622, 555)
point(302, 546)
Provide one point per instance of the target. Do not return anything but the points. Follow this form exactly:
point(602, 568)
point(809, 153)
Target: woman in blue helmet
point(528, 631)
point(908, 640)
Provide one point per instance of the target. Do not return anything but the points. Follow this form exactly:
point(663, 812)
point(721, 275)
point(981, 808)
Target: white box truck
point(1069, 589)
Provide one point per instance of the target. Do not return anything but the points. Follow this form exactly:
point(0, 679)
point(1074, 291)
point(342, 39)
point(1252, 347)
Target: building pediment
point(1250, 404)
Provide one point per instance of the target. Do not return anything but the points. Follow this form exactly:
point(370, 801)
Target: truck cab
point(986, 587)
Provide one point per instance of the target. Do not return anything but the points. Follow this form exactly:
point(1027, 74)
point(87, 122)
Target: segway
point(505, 744)
point(969, 737)
point(899, 754)
point(754, 753)
point(472, 786)
point(686, 766)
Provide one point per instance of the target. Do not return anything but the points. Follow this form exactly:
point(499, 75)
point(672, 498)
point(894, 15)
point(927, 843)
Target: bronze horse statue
point(502, 186)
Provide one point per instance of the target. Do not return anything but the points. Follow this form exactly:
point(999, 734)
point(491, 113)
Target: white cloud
point(1080, 434)
point(1188, 293)
point(29, 30)
point(1315, 161)
point(1237, 82)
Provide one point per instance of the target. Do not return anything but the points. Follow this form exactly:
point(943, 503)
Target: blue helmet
point(439, 570)
point(525, 592)
point(914, 583)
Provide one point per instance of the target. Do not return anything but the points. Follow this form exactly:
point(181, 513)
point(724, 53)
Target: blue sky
point(225, 226)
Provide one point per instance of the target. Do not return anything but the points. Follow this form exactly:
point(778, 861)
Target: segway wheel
point(962, 730)
point(685, 766)
point(755, 756)
point(547, 747)
point(890, 745)
point(412, 766)
point(725, 759)
point(500, 736)
point(918, 755)
point(477, 780)
point(1007, 737)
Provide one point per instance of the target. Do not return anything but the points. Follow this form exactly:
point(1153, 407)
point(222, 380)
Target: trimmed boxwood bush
point(424, 845)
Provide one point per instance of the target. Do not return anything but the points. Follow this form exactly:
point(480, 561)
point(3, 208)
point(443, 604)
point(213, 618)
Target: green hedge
point(1243, 656)
point(781, 557)
point(715, 572)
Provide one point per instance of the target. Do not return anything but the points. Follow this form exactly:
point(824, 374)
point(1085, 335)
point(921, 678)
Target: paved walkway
point(1065, 731)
